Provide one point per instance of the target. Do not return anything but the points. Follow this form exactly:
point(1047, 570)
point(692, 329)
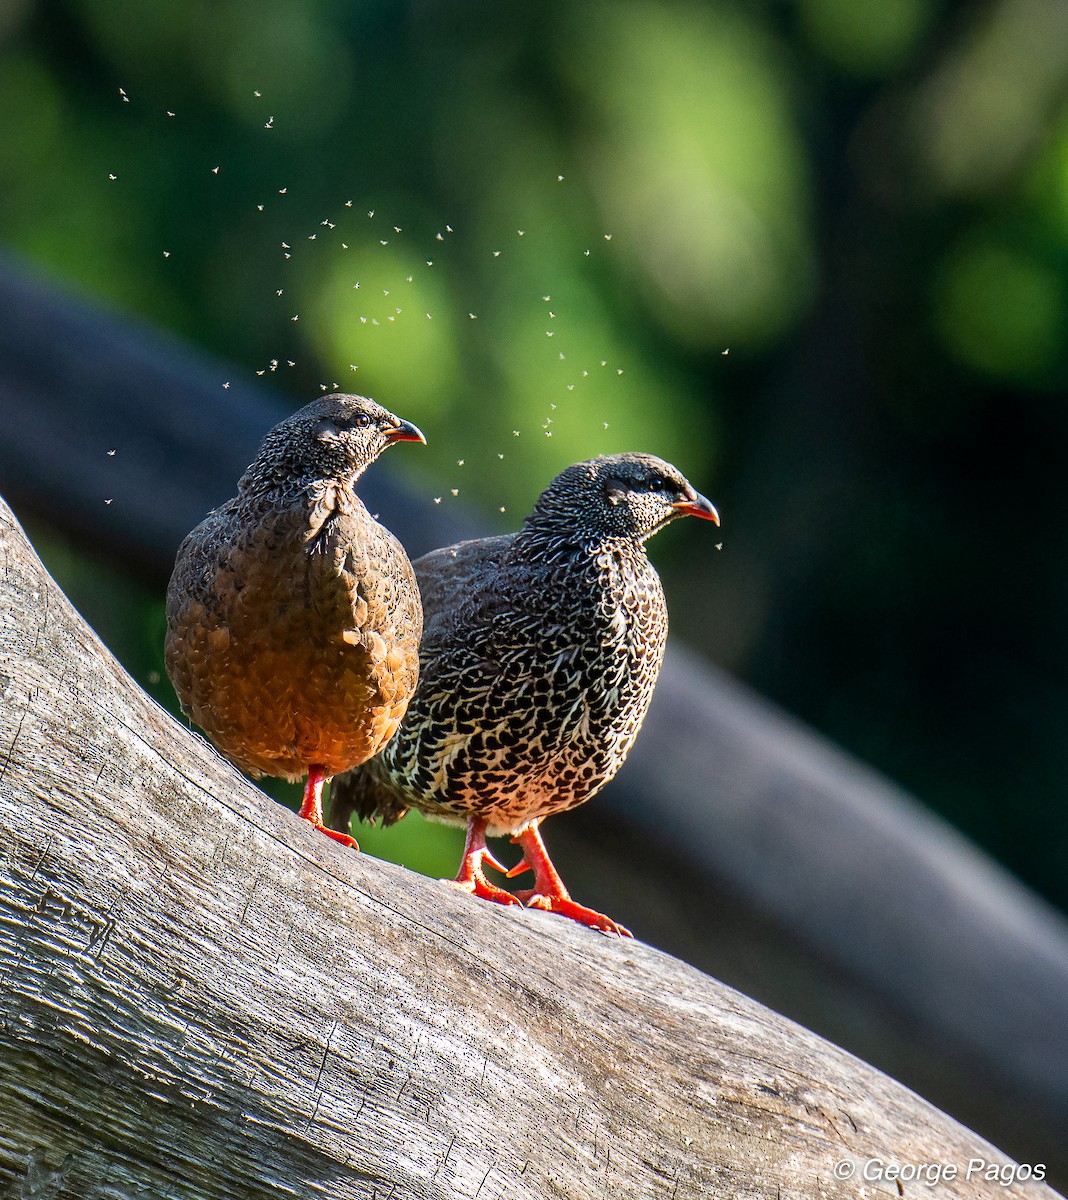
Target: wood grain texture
point(202, 998)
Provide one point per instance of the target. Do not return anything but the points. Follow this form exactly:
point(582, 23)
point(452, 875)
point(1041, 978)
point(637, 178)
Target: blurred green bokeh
point(819, 260)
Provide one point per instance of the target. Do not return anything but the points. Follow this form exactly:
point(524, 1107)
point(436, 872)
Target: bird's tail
point(366, 793)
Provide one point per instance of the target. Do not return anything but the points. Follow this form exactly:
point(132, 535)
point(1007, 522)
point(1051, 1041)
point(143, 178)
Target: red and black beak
point(698, 506)
point(403, 431)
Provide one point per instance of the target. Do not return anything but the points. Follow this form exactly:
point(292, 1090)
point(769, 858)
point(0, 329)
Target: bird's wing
point(451, 577)
point(453, 582)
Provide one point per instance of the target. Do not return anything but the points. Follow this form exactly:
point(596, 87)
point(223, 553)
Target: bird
point(540, 652)
point(293, 616)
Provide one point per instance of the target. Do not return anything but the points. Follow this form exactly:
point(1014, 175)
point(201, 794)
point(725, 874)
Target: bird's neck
point(286, 485)
point(552, 546)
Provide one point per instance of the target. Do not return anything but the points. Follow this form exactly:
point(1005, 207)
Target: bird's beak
point(697, 507)
point(403, 431)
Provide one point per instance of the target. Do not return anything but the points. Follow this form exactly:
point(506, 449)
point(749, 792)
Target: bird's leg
point(312, 808)
point(471, 877)
point(549, 892)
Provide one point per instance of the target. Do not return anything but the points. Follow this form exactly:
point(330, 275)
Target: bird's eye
point(362, 420)
point(656, 484)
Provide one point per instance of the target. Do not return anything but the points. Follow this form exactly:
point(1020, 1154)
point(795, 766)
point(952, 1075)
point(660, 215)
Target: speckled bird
point(293, 616)
point(540, 653)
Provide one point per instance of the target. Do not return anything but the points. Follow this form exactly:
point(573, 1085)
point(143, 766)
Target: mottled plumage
point(540, 653)
point(293, 617)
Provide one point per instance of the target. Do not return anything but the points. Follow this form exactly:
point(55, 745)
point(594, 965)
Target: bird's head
point(620, 495)
point(334, 438)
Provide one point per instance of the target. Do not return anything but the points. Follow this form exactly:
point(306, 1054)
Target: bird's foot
point(480, 886)
point(336, 834)
point(471, 877)
point(312, 808)
point(548, 892)
point(566, 907)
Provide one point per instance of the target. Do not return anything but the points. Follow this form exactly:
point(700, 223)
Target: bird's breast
point(293, 636)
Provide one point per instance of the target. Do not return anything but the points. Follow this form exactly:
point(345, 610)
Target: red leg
point(471, 877)
point(312, 808)
point(549, 892)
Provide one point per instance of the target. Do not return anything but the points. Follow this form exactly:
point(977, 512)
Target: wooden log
point(200, 997)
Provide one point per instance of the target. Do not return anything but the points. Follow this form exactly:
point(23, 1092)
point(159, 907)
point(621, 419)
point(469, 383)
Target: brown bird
point(540, 653)
point(293, 616)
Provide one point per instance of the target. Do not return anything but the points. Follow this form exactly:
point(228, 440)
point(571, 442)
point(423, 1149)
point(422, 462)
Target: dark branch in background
point(76, 383)
point(733, 837)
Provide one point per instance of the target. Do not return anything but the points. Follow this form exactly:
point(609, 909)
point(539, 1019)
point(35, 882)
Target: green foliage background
point(815, 253)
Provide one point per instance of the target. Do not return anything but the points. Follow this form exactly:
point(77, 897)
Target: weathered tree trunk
point(202, 998)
